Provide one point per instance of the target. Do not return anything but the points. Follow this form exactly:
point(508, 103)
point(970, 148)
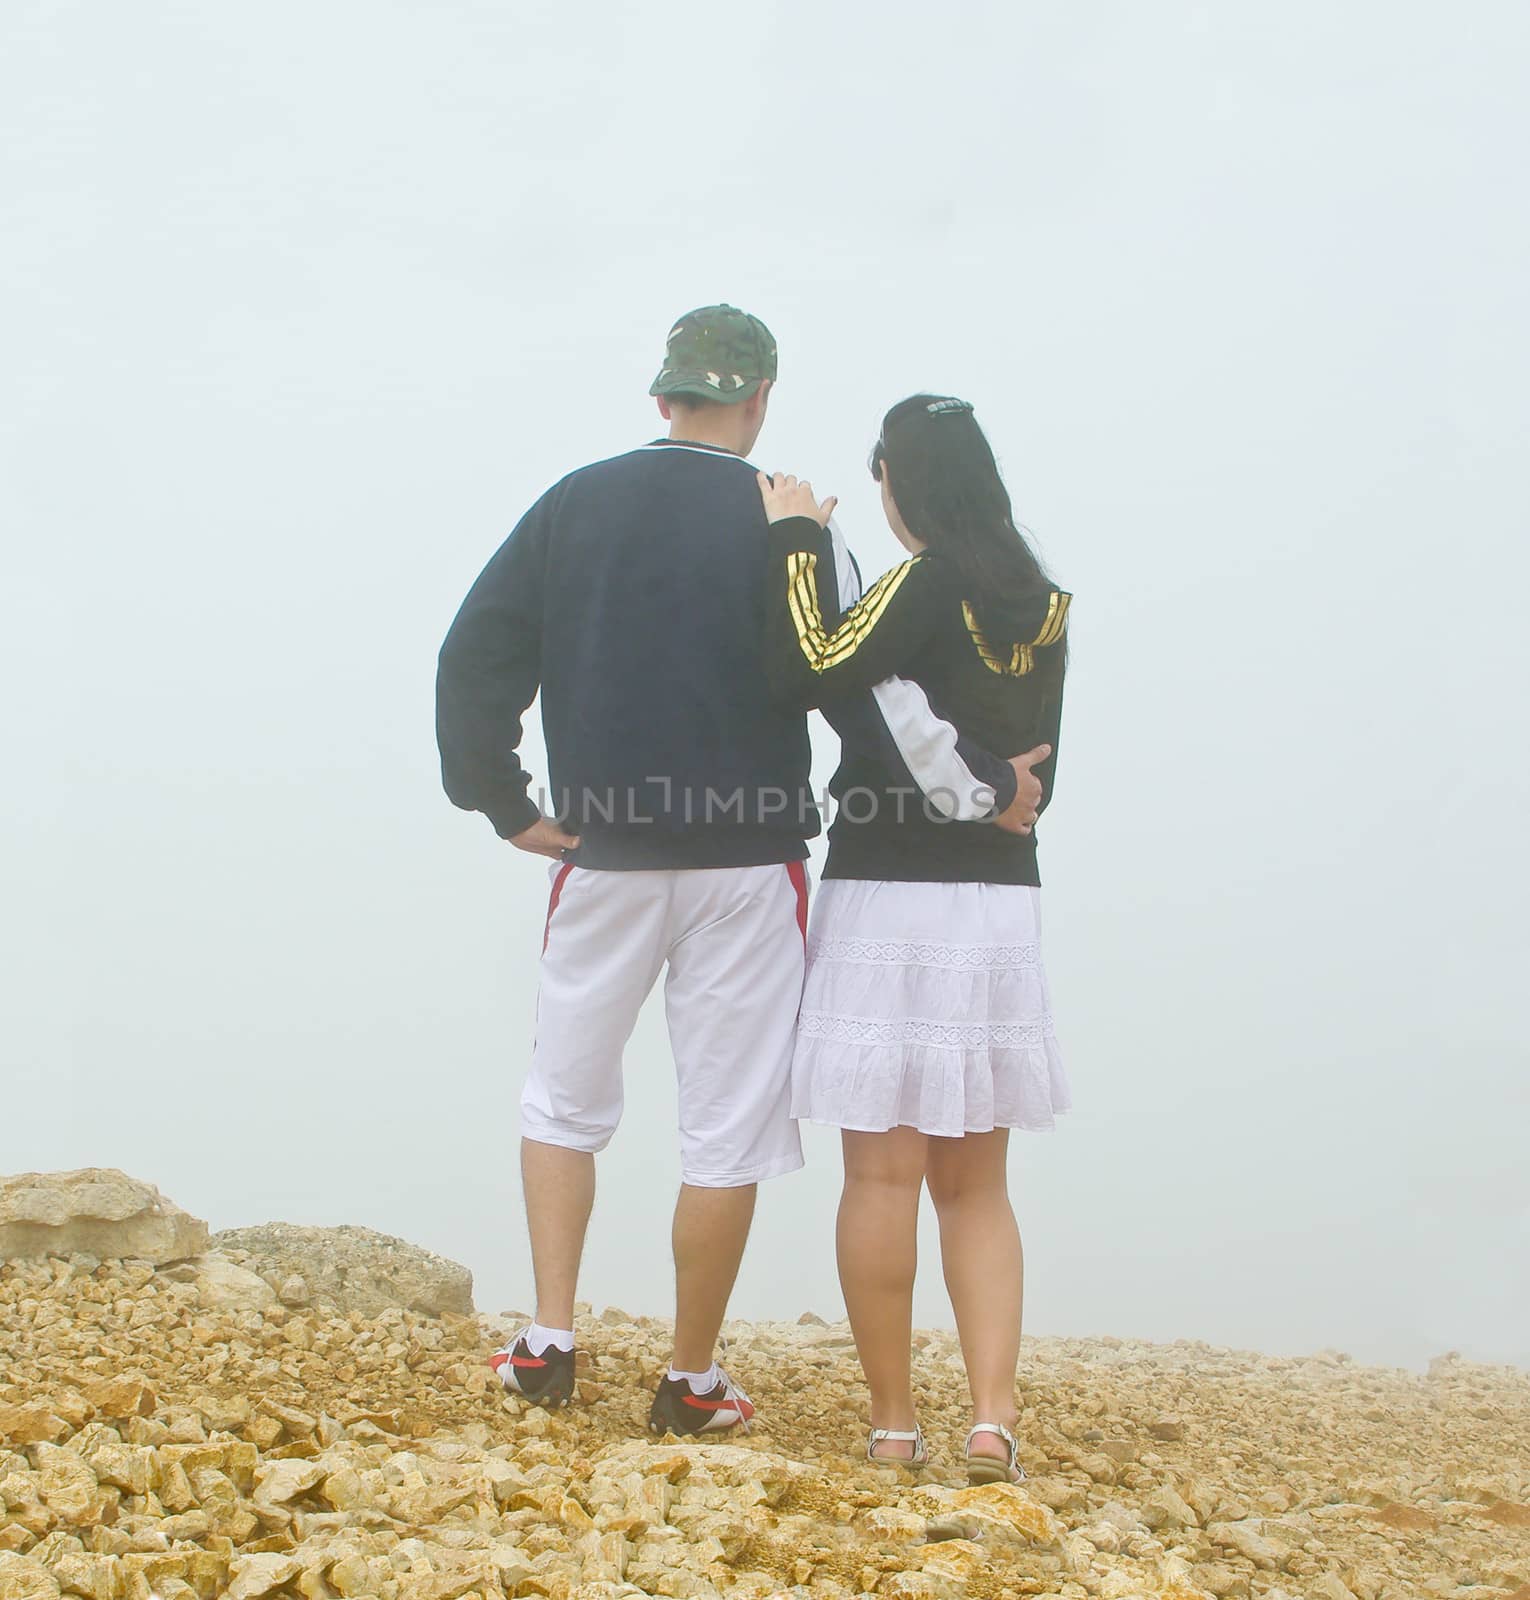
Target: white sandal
point(920, 1457)
point(993, 1469)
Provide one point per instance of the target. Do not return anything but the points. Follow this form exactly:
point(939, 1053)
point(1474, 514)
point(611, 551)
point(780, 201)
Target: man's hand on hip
point(1022, 811)
point(545, 838)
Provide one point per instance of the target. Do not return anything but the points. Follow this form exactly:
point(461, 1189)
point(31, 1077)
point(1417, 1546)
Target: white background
point(302, 304)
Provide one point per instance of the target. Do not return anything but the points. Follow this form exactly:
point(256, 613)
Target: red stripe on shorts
point(798, 874)
point(552, 900)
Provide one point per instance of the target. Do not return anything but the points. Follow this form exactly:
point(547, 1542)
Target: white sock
point(700, 1382)
point(538, 1338)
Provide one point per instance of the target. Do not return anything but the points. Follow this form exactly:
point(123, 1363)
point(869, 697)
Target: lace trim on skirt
point(909, 953)
point(922, 1030)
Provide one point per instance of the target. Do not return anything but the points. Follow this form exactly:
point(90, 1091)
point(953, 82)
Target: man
point(632, 595)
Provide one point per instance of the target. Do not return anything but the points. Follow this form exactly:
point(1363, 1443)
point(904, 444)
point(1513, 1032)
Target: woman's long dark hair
point(948, 491)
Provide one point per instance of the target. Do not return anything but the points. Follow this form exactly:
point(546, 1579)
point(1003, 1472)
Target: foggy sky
point(302, 305)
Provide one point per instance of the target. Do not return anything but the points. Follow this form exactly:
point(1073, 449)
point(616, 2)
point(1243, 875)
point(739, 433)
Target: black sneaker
point(678, 1409)
point(546, 1380)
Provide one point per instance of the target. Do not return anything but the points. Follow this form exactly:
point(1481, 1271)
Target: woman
point(926, 1031)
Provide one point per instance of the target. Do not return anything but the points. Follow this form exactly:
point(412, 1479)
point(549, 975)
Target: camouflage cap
point(717, 353)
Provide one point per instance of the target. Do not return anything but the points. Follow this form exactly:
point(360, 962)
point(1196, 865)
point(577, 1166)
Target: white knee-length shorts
point(732, 940)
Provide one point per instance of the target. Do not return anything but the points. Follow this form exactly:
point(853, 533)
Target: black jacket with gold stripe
point(917, 623)
point(632, 598)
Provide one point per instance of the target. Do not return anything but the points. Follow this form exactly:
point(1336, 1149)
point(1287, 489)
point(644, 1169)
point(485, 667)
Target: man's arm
point(489, 671)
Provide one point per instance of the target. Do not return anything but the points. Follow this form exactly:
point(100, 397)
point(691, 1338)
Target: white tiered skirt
point(926, 1007)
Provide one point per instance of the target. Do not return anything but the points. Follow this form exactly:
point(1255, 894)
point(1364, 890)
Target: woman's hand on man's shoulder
point(785, 497)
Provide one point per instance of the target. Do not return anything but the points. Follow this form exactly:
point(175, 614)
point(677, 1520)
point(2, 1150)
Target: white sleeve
point(927, 743)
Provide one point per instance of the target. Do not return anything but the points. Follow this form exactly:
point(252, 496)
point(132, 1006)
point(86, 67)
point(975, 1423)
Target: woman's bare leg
point(878, 1250)
point(984, 1268)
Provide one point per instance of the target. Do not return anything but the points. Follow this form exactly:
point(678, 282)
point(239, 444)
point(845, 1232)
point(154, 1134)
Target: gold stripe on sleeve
point(1020, 660)
point(802, 593)
point(1057, 617)
point(1023, 656)
point(822, 649)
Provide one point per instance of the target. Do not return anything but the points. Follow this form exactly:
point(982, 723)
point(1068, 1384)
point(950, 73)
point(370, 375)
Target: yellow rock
point(264, 1432)
point(278, 1482)
point(1009, 1504)
point(254, 1576)
point(237, 1460)
point(150, 1570)
point(351, 1575)
point(343, 1490)
point(129, 1467)
point(121, 1397)
point(299, 1424)
point(889, 1524)
point(959, 1560)
point(21, 1579)
point(30, 1424)
point(921, 1586)
point(603, 1557)
point(573, 1515)
point(89, 1575)
point(211, 1487)
point(68, 1486)
point(175, 1491)
point(73, 1407)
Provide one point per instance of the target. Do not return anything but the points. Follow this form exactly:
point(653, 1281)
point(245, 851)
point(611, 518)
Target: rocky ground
point(217, 1427)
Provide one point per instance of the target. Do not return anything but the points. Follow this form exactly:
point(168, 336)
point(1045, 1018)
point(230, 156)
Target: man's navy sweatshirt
point(632, 595)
